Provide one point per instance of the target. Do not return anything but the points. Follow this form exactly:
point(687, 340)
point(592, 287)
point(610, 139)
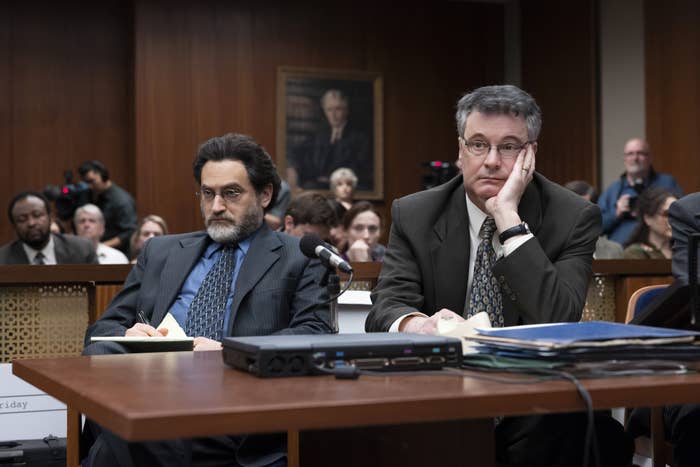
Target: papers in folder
point(596, 347)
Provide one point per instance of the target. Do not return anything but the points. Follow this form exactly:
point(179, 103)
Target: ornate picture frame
point(327, 119)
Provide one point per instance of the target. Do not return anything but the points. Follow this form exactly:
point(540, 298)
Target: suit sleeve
point(121, 311)
point(309, 311)
point(399, 291)
point(553, 290)
point(683, 225)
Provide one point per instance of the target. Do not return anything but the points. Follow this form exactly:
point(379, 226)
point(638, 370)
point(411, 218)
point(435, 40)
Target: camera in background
point(68, 197)
point(438, 173)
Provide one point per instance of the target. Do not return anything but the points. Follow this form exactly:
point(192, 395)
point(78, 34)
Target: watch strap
point(519, 229)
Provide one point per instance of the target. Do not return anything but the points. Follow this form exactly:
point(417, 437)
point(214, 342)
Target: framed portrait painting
point(326, 120)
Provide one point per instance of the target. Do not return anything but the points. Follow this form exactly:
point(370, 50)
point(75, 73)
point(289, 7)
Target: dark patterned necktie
point(39, 258)
point(205, 317)
point(486, 293)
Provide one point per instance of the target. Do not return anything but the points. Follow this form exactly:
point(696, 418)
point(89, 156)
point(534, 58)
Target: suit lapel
point(449, 251)
point(59, 249)
point(17, 254)
point(260, 257)
point(179, 262)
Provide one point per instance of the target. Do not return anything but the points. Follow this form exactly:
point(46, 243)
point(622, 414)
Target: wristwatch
point(519, 229)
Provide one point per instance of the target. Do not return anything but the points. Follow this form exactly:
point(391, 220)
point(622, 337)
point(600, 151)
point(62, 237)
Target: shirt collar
point(47, 251)
point(476, 217)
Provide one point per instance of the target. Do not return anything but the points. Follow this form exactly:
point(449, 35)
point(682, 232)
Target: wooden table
point(187, 394)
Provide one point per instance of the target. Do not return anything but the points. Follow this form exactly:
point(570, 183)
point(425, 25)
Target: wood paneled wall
point(560, 70)
point(672, 72)
point(206, 68)
point(140, 84)
point(65, 74)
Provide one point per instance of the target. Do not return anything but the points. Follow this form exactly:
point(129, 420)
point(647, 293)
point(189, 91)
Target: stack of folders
point(595, 347)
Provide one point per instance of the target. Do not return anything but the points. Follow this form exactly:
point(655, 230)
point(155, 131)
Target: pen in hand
point(142, 318)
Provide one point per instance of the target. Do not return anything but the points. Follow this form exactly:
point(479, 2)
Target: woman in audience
point(363, 227)
point(343, 184)
point(150, 226)
point(652, 237)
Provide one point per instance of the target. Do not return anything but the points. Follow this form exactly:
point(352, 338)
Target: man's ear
point(288, 223)
point(534, 148)
point(265, 195)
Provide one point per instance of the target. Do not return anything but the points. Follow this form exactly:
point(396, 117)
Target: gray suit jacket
point(69, 249)
point(276, 290)
point(684, 216)
point(426, 266)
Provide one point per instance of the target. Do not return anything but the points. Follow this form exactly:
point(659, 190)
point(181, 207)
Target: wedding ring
point(525, 169)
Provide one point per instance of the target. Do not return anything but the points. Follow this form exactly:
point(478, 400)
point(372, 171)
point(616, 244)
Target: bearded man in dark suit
point(272, 289)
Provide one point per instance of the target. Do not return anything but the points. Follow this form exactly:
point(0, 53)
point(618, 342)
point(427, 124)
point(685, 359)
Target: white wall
point(621, 81)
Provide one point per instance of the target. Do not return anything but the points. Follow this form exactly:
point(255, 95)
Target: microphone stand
point(331, 281)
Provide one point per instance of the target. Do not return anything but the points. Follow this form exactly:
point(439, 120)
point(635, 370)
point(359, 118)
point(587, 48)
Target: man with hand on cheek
point(503, 239)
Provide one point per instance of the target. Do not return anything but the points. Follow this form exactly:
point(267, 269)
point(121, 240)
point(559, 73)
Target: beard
point(36, 239)
point(234, 231)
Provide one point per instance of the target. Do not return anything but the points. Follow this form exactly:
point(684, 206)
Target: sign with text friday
point(25, 411)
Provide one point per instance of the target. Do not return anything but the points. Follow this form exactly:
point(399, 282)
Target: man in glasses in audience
point(237, 278)
point(618, 201)
point(502, 239)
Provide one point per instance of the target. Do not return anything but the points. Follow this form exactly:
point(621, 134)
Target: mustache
point(220, 218)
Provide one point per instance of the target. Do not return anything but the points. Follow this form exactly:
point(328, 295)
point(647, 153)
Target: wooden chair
point(656, 448)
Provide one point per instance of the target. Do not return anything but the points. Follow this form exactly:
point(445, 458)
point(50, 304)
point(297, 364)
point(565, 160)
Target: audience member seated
point(116, 204)
point(343, 184)
point(363, 227)
point(309, 213)
point(273, 217)
point(651, 239)
point(604, 248)
point(30, 214)
point(150, 226)
point(617, 203)
point(90, 224)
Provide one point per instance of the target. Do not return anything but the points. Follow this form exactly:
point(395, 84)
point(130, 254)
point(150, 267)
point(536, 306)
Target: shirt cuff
point(395, 325)
point(513, 243)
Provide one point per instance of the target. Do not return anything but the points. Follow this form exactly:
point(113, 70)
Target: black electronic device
point(309, 354)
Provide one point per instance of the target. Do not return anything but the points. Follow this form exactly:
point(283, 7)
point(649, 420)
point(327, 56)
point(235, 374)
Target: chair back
point(641, 298)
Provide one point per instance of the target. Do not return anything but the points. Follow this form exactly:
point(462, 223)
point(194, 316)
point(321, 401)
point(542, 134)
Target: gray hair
point(504, 99)
point(343, 173)
point(89, 209)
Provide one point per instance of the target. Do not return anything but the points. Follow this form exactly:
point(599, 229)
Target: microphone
point(313, 247)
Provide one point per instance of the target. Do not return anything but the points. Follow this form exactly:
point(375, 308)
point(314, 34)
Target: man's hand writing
point(142, 330)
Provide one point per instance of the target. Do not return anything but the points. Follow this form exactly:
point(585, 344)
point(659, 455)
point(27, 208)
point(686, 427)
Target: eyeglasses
point(480, 148)
point(230, 195)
